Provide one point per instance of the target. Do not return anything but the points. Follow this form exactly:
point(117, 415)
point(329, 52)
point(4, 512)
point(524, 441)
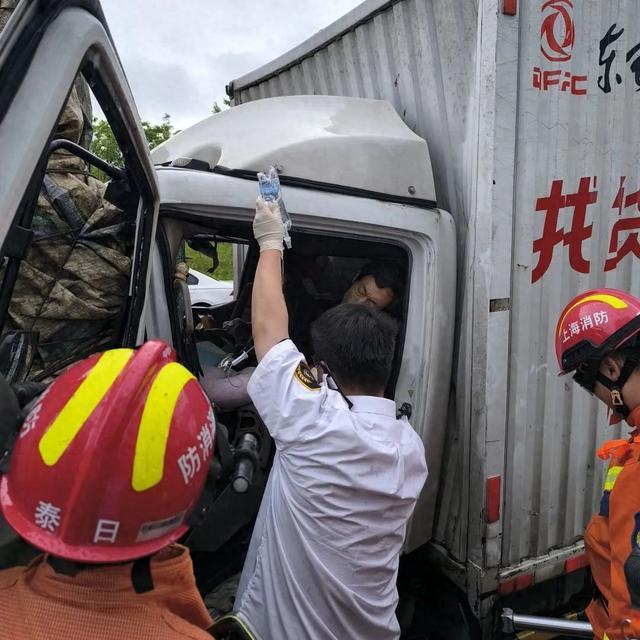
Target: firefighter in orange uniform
point(598, 339)
point(105, 472)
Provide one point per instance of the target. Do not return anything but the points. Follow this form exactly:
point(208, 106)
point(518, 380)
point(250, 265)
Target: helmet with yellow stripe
point(112, 458)
point(593, 325)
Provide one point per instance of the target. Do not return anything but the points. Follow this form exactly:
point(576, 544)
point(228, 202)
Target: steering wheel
point(183, 306)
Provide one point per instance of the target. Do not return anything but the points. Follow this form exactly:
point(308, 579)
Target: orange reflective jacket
point(101, 603)
point(612, 541)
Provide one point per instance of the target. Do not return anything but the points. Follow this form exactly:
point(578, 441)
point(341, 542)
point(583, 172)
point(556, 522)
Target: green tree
point(105, 146)
point(158, 133)
point(217, 108)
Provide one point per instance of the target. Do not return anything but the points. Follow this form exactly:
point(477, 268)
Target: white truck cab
point(357, 183)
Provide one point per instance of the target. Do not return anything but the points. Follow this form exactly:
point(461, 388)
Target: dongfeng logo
point(557, 32)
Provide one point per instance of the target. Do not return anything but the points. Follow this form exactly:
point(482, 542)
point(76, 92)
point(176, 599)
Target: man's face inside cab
point(366, 291)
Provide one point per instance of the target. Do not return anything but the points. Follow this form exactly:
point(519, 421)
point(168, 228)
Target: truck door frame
point(42, 49)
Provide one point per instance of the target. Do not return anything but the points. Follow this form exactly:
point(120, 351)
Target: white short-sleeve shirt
point(323, 559)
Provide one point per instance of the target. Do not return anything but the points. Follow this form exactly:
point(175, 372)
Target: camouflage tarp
point(73, 282)
point(6, 9)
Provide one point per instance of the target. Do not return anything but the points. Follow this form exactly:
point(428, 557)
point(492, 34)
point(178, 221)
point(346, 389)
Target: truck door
point(75, 233)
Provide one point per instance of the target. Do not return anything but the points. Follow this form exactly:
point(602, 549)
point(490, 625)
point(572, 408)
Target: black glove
point(26, 392)
point(10, 421)
point(14, 405)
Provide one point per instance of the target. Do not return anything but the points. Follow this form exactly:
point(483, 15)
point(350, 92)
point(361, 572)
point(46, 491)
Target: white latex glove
point(267, 225)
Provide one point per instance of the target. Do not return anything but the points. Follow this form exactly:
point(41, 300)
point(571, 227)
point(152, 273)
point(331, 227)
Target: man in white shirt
point(323, 559)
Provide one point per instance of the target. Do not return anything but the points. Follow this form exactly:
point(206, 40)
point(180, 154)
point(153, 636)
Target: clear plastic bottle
point(269, 185)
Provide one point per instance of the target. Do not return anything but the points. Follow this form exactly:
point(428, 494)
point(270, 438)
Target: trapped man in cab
point(598, 340)
point(103, 476)
point(314, 286)
point(323, 559)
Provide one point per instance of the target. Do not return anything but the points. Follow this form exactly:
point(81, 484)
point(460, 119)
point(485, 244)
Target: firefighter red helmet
point(593, 324)
point(112, 458)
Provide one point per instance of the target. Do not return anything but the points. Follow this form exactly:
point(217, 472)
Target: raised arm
point(269, 316)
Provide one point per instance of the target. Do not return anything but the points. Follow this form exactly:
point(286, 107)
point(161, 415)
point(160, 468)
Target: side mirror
point(17, 351)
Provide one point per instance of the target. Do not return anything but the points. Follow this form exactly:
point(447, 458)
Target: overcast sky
point(179, 56)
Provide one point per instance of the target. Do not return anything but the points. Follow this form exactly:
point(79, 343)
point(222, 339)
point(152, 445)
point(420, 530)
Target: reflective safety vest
point(612, 542)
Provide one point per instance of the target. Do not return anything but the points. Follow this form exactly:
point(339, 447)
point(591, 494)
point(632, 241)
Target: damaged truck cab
point(356, 183)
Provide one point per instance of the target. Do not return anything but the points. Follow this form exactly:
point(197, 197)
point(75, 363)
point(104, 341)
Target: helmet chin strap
point(615, 387)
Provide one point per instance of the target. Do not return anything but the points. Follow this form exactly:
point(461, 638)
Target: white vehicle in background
point(206, 291)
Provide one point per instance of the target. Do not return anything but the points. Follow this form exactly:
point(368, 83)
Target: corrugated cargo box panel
point(578, 149)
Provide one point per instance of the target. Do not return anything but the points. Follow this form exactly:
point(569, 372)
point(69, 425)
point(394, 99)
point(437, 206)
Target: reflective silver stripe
point(232, 617)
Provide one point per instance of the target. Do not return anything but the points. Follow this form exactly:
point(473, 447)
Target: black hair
point(358, 344)
point(387, 275)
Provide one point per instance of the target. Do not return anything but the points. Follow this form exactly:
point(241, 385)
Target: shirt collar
point(371, 404)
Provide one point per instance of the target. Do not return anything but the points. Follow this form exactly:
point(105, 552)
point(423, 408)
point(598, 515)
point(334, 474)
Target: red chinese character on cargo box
point(631, 245)
point(624, 200)
point(551, 206)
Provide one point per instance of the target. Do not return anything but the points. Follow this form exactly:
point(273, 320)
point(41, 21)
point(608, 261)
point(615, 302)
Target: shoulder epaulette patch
point(304, 376)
